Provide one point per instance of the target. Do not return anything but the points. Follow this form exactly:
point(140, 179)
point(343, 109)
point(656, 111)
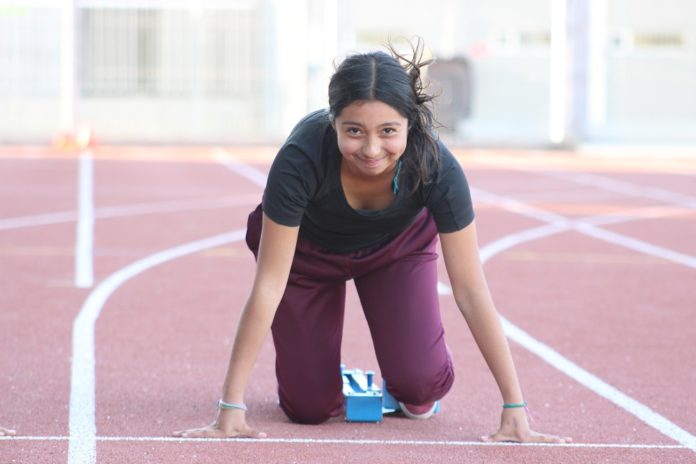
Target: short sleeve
point(292, 181)
point(450, 198)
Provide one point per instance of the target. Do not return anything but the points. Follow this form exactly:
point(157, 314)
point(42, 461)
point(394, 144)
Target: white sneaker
point(425, 411)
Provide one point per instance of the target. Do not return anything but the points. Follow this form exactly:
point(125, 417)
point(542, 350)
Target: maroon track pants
point(397, 286)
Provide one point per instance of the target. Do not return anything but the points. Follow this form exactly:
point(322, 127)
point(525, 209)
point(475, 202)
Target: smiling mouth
point(371, 161)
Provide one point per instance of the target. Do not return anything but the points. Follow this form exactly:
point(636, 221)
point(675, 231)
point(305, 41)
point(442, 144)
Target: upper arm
point(275, 255)
point(461, 255)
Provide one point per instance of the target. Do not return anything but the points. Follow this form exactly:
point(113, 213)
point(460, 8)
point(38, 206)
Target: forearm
point(253, 328)
point(274, 259)
point(484, 323)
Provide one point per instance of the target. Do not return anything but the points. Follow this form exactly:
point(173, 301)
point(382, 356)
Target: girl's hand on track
point(7, 432)
point(228, 424)
point(515, 428)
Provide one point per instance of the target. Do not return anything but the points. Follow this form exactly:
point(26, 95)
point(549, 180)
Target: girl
point(363, 191)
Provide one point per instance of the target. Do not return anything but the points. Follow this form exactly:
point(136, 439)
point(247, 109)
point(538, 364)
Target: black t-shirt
point(304, 189)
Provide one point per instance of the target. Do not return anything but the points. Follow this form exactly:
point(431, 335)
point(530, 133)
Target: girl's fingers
point(531, 438)
point(207, 432)
point(253, 434)
point(540, 438)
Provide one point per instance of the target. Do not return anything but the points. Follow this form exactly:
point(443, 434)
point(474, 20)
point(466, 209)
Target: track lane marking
point(82, 420)
point(134, 209)
point(585, 227)
point(625, 188)
point(84, 244)
point(341, 441)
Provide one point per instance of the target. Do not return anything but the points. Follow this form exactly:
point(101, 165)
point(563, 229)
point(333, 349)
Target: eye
point(389, 131)
point(353, 131)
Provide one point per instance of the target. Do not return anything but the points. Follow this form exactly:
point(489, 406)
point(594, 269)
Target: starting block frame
point(364, 400)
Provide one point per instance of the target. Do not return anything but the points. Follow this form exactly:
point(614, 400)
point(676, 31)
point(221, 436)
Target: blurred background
point(509, 72)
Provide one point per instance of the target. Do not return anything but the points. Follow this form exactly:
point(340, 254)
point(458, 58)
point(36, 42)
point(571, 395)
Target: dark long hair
point(381, 76)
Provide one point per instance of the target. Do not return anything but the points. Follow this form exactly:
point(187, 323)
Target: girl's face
point(372, 137)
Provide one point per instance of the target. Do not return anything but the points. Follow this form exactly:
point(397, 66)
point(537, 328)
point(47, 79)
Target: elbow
point(469, 301)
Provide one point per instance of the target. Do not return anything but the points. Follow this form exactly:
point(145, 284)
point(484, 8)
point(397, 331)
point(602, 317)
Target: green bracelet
point(223, 405)
point(515, 405)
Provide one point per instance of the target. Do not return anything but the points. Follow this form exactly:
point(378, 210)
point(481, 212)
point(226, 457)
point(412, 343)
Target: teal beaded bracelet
point(223, 405)
point(515, 405)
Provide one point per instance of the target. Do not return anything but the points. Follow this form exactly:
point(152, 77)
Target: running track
point(123, 271)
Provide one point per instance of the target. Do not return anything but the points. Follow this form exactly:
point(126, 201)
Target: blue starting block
point(362, 398)
point(364, 401)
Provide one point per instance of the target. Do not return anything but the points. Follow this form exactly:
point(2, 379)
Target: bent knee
point(310, 413)
point(421, 387)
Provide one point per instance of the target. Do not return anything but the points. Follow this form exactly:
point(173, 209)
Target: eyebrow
point(353, 123)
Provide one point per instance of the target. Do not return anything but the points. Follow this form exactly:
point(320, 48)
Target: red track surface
point(164, 335)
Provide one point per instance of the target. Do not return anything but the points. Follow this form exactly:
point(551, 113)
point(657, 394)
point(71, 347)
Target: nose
point(372, 147)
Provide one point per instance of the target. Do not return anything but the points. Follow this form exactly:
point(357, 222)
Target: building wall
point(650, 72)
point(242, 71)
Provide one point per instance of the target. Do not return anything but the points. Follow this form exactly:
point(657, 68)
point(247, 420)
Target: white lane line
point(37, 220)
point(625, 188)
point(82, 422)
point(600, 387)
point(134, 209)
point(246, 170)
point(84, 263)
point(341, 441)
point(585, 226)
point(635, 244)
point(443, 289)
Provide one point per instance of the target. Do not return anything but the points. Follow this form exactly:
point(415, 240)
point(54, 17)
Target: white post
point(597, 65)
point(67, 68)
point(558, 85)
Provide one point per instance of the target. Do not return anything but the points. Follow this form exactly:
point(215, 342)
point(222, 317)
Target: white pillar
point(597, 65)
point(67, 68)
point(558, 78)
point(285, 65)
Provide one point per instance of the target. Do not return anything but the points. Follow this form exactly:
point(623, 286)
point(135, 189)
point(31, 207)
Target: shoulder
point(447, 159)
point(450, 168)
point(449, 197)
point(444, 168)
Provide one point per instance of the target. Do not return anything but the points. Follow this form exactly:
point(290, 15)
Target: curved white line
point(82, 421)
